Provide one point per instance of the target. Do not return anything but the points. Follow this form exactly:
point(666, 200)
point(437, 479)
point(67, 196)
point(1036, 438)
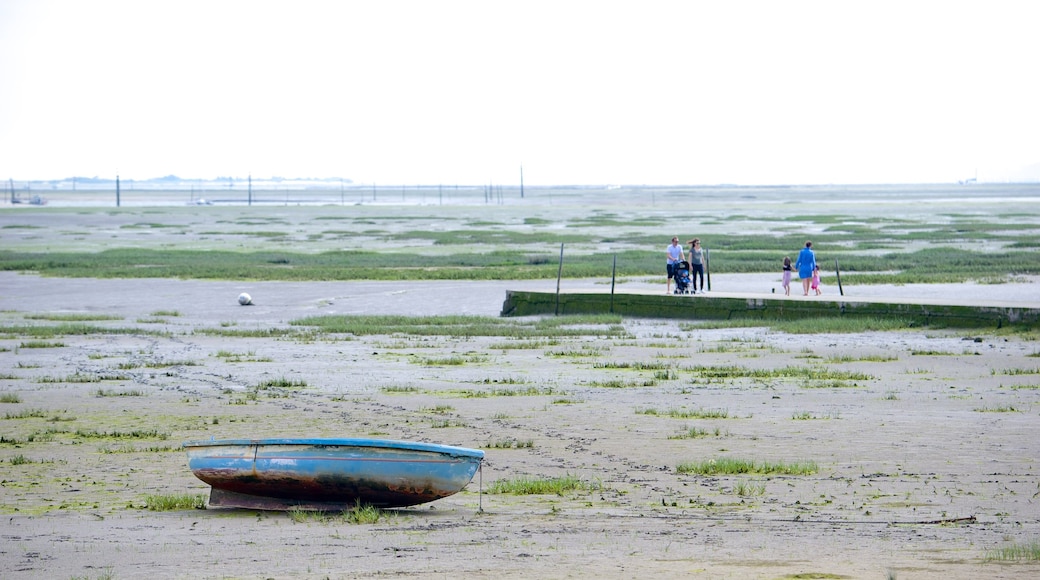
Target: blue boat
point(329, 473)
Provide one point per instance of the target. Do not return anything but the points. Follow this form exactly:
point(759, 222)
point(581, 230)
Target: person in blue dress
point(806, 264)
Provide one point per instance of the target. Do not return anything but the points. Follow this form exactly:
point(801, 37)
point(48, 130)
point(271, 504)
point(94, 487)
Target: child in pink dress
point(787, 275)
point(816, 280)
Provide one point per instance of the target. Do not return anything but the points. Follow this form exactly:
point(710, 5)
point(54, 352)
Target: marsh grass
point(357, 515)
point(502, 392)
point(10, 398)
point(815, 325)
point(583, 351)
point(41, 344)
point(234, 357)
point(172, 502)
point(1000, 409)
point(696, 433)
point(809, 416)
point(161, 364)
point(78, 377)
point(363, 514)
point(543, 486)
point(70, 329)
point(687, 413)
point(846, 358)
point(454, 360)
point(623, 384)
point(522, 255)
point(27, 414)
point(748, 488)
point(809, 373)
point(73, 317)
point(503, 381)
point(281, 383)
point(567, 401)
point(833, 384)
point(110, 450)
point(437, 410)
point(19, 460)
point(114, 393)
point(524, 344)
point(459, 326)
point(1029, 551)
point(447, 424)
point(733, 466)
point(394, 389)
point(1018, 372)
point(257, 333)
point(134, 434)
point(510, 444)
point(636, 365)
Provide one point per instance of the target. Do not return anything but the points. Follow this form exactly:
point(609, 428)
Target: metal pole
point(559, 273)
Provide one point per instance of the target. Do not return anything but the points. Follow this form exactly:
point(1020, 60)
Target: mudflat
point(925, 453)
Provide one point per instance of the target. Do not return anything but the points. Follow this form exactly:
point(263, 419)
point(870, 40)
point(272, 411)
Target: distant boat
point(279, 474)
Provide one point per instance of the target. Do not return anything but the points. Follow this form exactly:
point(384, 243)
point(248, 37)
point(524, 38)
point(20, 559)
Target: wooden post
point(613, 276)
point(117, 191)
point(707, 269)
point(250, 189)
point(559, 274)
point(837, 272)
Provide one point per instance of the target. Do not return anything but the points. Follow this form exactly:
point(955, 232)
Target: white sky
point(577, 92)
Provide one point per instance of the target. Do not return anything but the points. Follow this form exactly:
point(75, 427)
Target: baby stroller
point(682, 277)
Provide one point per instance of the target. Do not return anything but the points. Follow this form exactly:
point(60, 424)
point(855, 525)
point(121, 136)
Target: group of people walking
point(677, 259)
point(808, 270)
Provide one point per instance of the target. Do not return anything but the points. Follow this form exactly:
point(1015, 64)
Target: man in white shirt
point(675, 255)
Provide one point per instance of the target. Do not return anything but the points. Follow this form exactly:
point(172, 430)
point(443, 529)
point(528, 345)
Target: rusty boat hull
point(329, 473)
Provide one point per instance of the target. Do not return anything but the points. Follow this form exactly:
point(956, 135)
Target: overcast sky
point(467, 92)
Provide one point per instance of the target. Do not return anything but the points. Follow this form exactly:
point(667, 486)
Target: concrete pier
point(729, 306)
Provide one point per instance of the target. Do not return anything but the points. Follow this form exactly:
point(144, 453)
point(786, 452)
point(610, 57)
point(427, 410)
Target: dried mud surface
point(924, 467)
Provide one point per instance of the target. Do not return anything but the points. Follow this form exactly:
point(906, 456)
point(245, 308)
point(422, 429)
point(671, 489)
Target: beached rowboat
point(329, 473)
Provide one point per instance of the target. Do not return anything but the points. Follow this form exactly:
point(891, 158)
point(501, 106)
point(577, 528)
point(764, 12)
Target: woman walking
point(806, 264)
point(696, 259)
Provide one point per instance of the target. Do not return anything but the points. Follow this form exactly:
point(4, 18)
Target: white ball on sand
point(245, 299)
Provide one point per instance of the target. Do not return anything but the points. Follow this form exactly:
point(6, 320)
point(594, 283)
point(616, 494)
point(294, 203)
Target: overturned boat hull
point(329, 473)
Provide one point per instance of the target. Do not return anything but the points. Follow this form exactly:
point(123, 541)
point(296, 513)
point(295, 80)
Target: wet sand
point(926, 465)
